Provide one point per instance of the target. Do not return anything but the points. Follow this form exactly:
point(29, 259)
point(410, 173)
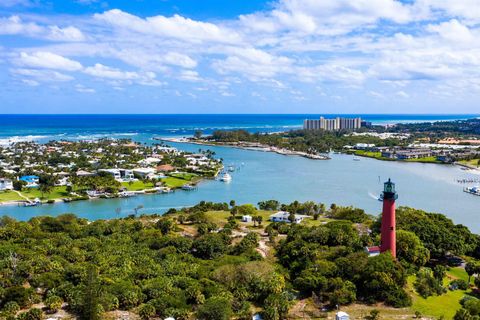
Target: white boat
point(356, 159)
point(473, 190)
point(226, 177)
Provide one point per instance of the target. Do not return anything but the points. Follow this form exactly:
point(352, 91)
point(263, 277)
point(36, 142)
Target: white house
point(342, 316)
point(6, 184)
point(144, 172)
point(282, 216)
point(247, 218)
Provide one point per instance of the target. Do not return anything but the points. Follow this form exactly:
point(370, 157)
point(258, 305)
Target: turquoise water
point(266, 175)
point(43, 128)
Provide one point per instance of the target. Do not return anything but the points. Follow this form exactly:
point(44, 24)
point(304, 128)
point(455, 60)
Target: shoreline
point(248, 146)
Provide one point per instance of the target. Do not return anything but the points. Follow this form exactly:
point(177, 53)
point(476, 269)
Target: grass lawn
point(371, 154)
point(174, 182)
point(9, 196)
point(137, 185)
point(184, 175)
point(436, 306)
point(425, 160)
point(57, 193)
point(473, 162)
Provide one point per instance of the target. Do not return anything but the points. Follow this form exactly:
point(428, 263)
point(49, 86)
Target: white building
point(282, 216)
point(247, 218)
point(342, 316)
point(6, 184)
point(121, 175)
point(144, 172)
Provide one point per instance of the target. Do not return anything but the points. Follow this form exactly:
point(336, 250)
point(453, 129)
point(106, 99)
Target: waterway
point(264, 175)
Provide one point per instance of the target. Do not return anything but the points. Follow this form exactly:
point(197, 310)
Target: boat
point(226, 177)
point(188, 187)
point(356, 159)
point(231, 168)
point(472, 190)
point(33, 203)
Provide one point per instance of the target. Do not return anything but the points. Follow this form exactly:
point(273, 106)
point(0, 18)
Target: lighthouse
point(388, 237)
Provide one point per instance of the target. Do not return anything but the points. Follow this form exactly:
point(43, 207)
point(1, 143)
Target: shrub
point(53, 303)
point(146, 311)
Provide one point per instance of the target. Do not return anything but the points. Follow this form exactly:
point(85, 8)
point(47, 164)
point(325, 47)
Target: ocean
point(43, 128)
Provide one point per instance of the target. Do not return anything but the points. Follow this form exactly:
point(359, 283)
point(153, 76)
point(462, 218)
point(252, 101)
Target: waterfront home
point(144, 172)
point(6, 184)
point(364, 146)
point(282, 216)
point(121, 175)
point(413, 154)
point(32, 181)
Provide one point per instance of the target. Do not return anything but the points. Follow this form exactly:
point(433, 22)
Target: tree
point(197, 134)
point(232, 203)
point(470, 268)
point(411, 249)
point(90, 305)
point(291, 217)
point(215, 308)
point(276, 306)
point(246, 210)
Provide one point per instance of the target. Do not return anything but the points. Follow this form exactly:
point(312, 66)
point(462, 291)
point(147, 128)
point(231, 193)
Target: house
point(342, 316)
point(32, 181)
point(247, 218)
point(144, 172)
point(83, 173)
point(165, 168)
point(372, 251)
point(6, 184)
point(121, 175)
point(282, 216)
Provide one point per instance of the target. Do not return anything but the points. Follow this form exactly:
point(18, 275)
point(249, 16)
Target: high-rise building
point(332, 124)
point(388, 229)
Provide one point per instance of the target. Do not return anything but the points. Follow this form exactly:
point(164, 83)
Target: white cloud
point(47, 60)
point(101, 71)
point(173, 27)
point(15, 26)
point(452, 30)
point(41, 75)
point(144, 78)
point(82, 89)
point(402, 94)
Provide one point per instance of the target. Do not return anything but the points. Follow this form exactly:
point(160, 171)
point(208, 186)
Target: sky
point(239, 56)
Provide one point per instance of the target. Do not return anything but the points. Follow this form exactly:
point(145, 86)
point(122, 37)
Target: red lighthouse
point(388, 238)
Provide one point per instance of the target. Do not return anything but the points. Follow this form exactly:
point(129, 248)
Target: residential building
point(282, 216)
point(32, 181)
point(332, 124)
point(6, 184)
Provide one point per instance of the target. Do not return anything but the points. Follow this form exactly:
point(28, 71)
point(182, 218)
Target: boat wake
point(372, 195)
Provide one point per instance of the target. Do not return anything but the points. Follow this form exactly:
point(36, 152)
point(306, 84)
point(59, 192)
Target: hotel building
point(332, 124)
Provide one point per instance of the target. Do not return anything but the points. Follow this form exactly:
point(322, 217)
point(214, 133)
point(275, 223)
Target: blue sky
point(238, 56)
